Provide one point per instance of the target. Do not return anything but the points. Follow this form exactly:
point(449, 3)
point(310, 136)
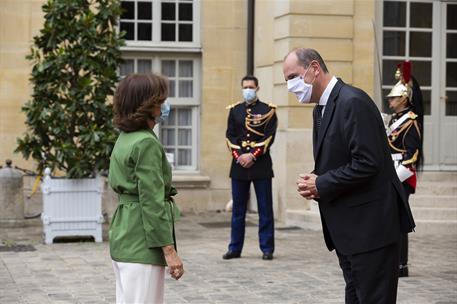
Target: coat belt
point(133, 198)
point(129, 198)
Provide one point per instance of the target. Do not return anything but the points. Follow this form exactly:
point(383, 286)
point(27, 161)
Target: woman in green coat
point(141, 234)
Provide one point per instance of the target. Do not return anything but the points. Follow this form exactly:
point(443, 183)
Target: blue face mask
point(249, 95)
point(164, 112)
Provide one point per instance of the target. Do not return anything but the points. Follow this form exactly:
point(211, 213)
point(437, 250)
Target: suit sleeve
point(151, 190)
point(232, 136)
point(267, 140)
point(366, 140)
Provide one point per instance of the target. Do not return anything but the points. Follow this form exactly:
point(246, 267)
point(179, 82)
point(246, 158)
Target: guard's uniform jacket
point(405, 142)
point(251, 128)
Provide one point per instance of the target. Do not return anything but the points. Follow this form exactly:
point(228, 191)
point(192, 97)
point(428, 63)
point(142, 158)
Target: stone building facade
point(202, 47)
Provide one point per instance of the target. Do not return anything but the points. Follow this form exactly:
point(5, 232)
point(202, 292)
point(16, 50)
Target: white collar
point(326, 94)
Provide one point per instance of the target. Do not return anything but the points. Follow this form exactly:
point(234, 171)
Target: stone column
point(327, 26)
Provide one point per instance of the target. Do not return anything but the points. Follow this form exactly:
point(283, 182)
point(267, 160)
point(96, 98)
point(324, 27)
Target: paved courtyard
point(303, 271)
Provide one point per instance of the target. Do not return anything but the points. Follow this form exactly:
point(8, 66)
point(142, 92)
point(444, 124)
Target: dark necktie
point(318, 117)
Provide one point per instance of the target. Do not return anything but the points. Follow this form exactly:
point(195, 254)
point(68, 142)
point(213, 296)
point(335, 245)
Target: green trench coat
point(143, 221)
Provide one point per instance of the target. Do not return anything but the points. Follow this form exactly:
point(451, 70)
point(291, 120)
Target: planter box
point(71, 207)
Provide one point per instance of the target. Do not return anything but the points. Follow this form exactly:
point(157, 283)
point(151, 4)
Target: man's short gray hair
point(306, 56)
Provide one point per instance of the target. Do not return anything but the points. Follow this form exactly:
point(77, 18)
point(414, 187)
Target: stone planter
point(11, 198)
point(71, 207)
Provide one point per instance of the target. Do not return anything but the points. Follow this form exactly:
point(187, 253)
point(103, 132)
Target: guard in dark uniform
point(405, 139)
point(250, 133)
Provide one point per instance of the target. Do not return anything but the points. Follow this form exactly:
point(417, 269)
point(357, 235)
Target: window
point(160, 22)
point(179, 133)
point(176, 21)
point(407, 35)
point(162, 36)
point(180, 74)
point(136, 20)
point(451, 60)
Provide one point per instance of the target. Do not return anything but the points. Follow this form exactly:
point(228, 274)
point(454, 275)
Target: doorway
point(425, 32)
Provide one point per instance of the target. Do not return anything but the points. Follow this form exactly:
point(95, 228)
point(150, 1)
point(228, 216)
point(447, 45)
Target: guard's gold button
point(248, 148)
point(248, 135)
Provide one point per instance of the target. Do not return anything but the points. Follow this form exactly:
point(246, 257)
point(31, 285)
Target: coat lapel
point(328, 115)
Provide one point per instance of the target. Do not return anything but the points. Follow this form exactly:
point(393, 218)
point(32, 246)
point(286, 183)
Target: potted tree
point(69, 117)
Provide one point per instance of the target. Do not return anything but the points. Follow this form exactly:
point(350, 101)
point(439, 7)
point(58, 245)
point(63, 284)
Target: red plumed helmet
point(406, 71)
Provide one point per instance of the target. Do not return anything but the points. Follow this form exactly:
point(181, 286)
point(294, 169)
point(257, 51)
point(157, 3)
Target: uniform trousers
point(240, 196)
point(139, 283)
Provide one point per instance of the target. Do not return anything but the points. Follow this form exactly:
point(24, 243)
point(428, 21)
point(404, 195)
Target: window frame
point(156, 43)
point(407, 29)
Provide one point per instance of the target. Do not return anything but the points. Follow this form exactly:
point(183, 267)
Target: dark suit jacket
point(362, 202)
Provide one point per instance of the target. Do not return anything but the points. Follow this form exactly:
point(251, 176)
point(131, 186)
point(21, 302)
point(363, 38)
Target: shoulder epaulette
point(272, 105)
point(412, 115)
point(233, 105)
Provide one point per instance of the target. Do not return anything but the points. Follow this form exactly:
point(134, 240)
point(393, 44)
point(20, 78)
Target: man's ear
point(257, 89)
point(317, 68)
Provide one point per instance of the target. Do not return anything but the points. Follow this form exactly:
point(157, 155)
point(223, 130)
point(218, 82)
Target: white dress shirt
point(326, 94)
point(323, 101)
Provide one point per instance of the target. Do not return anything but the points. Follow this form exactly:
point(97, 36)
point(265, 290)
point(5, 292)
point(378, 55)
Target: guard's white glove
point(403, 173)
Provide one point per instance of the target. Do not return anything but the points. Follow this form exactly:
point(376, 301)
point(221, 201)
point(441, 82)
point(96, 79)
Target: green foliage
point(75, 59)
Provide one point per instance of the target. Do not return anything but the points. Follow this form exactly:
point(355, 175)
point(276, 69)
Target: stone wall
point(342, 31)
point(223, 30)
point(19, 22)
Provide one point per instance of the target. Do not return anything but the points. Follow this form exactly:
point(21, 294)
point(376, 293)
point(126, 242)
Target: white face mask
point(249, 95)
point(300, 88)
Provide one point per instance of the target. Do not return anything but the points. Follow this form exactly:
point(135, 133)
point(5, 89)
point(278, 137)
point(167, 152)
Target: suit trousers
point(404, 236)
point(240, 196)
point(139, 283)
point(371, 277)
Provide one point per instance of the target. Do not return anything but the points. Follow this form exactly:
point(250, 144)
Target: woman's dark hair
point(135, 98)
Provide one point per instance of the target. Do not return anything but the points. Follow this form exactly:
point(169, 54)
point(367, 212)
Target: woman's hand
point(175, 266)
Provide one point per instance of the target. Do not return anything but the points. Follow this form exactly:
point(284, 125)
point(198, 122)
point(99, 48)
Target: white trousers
point(139, 283)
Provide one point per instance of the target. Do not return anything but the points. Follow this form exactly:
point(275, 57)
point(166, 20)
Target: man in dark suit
point(251, 130)
point(361, 200)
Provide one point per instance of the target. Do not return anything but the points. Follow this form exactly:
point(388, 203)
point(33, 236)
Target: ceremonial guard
point(405, 139)
point(250, 133)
